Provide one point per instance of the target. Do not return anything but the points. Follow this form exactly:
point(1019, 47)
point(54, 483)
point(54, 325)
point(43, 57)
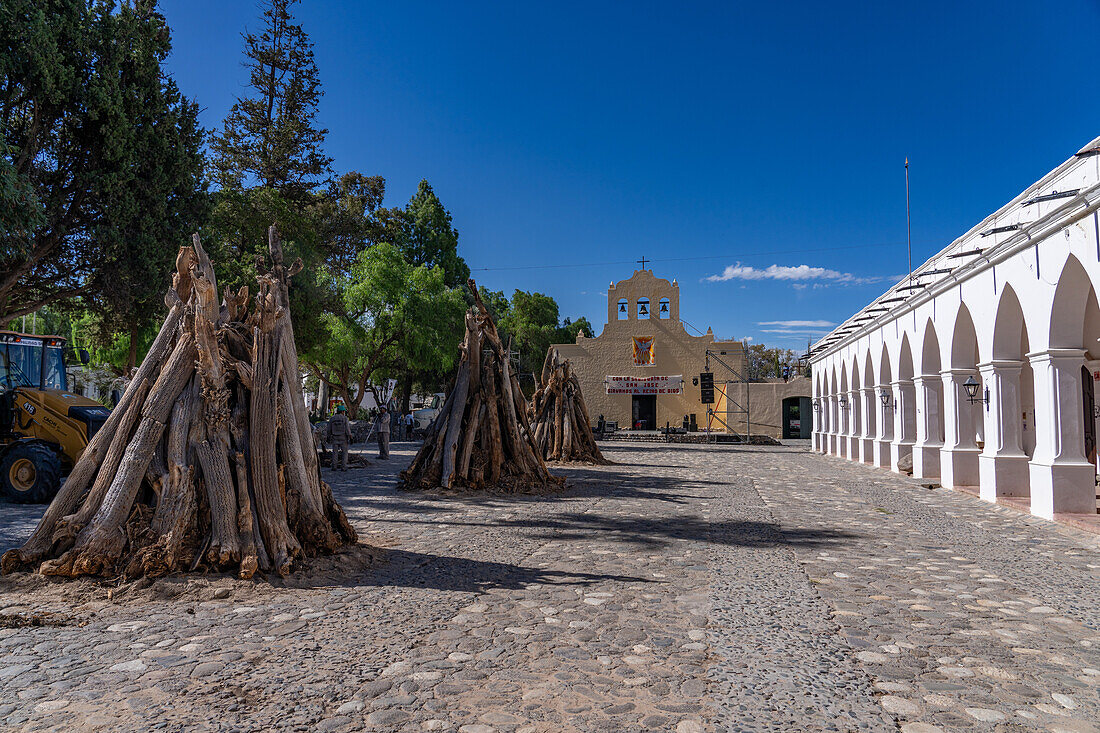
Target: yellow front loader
point(43, 427)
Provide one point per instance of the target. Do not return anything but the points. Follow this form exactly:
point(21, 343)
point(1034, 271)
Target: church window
point(643, 308)
point(623, 314)
point(664, 311)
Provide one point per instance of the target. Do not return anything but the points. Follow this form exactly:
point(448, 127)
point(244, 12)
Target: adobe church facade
point(644, 367)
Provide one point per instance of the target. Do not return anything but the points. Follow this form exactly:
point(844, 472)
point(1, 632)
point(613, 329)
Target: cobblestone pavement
point(687, 589)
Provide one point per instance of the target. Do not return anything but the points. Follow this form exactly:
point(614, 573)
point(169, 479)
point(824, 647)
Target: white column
point(959, 455)
point(842, 424)
point(1002, 465)
point(926, 449)
point(1062, 479)
point(904, 403)
point(885, 427)
point(816, 417)
point(854, 427)
point(867, 436)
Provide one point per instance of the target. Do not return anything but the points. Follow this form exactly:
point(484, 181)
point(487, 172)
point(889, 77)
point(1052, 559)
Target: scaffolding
point(732, 408)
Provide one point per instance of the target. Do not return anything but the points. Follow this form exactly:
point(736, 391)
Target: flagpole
point(908, 225)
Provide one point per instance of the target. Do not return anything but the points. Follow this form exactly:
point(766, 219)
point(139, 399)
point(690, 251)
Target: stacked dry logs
point(563, 431)
point(208, 460)
point(481, 438)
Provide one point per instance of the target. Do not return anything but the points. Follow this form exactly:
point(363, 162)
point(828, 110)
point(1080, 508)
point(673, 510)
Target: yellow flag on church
point(644, 354)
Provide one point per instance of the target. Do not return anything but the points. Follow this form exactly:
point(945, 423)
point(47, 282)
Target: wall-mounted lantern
point(843, 402)
point(884, 398)
point(971, 386)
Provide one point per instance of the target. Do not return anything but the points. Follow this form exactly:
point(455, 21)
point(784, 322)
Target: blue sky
point(752, 151)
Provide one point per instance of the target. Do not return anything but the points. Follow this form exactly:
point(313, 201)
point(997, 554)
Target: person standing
point(410, 425)
point(383, 432)
point(338, 433)
point(398, 428)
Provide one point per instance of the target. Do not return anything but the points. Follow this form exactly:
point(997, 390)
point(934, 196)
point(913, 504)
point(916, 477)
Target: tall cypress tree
point(164, 196)
point(270, 137)
point(100, 161)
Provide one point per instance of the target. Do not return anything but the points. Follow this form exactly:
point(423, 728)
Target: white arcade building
point(981, 368)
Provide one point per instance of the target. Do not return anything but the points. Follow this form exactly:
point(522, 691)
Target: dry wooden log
point(477, 412)
point(319, 520)
point(454, 420)
point(70, 526)
point(213, 449)
point(482, 437)
point(267, 479)
point(197, 466)
point(560, 416)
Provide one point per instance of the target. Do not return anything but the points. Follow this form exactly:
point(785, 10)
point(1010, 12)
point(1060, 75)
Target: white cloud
point(797, 331)
point(795, 324)
point(796, 274)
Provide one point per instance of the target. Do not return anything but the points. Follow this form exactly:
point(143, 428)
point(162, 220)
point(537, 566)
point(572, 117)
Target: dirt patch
point(31, 590)
point(23, 620)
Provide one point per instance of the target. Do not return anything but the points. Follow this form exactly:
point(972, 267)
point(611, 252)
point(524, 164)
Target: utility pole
point(908, 225)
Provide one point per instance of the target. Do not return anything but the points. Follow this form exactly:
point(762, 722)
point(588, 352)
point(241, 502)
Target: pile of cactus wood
point(208, 460)
point(481, 438)
point(563, 431)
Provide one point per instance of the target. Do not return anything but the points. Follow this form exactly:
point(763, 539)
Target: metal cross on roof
point(643, 261)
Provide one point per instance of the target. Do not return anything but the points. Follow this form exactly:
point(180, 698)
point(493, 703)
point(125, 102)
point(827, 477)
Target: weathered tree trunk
point(213, 449)
point(454, 422)
point(194, 465)
point(267, 477)
point(482, 438)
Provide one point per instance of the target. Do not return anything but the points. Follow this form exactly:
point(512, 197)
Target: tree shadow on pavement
point(407, 569)
point(655, 532)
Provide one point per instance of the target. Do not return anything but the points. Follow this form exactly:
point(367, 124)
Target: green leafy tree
point(390, 313)
point(495, 302)
point(532, 323)
point(271, 136)
point(765, 362)
point(530, 320)
point(567, 332)
point(424, 234)
point(96, 143)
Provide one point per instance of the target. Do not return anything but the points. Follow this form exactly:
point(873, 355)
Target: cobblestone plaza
point(685, 588)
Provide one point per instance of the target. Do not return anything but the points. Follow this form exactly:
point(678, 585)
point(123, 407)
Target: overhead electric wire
point(681, 259)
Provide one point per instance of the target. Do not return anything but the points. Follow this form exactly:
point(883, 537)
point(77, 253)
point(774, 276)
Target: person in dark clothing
point(338, 433)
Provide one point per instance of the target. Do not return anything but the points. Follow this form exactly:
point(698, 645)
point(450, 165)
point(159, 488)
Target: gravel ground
point(687, 588)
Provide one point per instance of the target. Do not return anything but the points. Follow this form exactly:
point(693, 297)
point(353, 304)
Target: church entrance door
point(644, 412)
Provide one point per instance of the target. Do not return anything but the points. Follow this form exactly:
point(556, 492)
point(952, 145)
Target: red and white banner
point(645, 385)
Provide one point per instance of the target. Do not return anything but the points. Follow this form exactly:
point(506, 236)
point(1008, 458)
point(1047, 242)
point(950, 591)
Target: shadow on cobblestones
point(657, 533)
point(408, 569)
